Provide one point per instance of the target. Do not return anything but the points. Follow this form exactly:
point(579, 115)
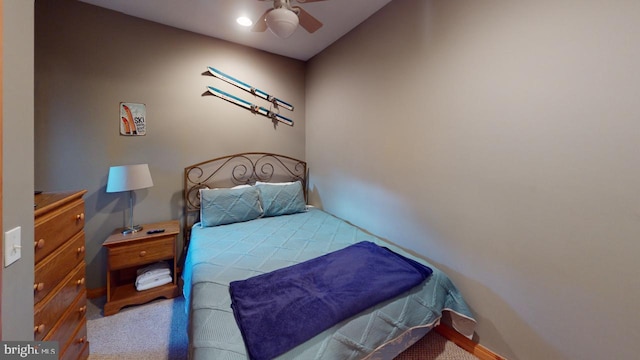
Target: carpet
point(157, 330)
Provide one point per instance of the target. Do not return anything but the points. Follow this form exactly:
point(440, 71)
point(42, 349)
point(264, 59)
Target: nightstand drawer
point(142, 252)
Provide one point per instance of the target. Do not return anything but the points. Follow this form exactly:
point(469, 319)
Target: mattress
point(221, 254)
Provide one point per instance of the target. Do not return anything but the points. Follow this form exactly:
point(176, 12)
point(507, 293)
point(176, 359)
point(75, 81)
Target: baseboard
point(474, 348)
point(96, 293)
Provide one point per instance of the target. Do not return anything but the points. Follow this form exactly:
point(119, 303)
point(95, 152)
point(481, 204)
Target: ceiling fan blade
point(308, 1)
point(307, 21)
point(261, 24)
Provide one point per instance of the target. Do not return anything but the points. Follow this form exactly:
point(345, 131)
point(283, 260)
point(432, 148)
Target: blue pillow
point(226, 206)
point(281, 198)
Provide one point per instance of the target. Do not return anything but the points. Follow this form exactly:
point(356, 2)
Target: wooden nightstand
point(128, 253)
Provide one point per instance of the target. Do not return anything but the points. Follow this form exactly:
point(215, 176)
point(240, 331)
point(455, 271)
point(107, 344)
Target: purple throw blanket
point(281, 309)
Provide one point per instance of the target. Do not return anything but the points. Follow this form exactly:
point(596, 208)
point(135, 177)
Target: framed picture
point(133, 119)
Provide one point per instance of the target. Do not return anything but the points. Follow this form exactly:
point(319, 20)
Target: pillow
point(281, 198)
point(226, 206)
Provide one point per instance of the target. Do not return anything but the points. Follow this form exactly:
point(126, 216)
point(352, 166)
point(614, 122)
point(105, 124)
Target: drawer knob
point(38, 286)
point(82, 309)
point(80, 282)
point(82, 340)
point(143, 253)
point(80, 249)
point(39, 244)
point(80, 217)
point(39, 329)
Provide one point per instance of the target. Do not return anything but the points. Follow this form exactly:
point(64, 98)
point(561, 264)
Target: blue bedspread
point(278, 310)
point(222, 254)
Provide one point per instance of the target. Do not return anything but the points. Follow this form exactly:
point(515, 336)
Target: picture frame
point(133, 119)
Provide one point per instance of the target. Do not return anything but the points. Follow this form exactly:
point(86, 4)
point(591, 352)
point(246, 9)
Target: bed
point(227, 247)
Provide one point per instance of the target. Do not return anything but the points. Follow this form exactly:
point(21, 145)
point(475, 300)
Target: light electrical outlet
point(12, 246)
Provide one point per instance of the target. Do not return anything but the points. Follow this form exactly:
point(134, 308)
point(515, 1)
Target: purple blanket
point(279, 310)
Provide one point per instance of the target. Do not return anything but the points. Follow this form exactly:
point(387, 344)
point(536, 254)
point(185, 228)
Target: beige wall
point(500, 140)
point(89, 59)
point(497, 139)
point(17, 162)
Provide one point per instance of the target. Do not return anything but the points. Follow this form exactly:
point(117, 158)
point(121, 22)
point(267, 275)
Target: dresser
point(59, 292)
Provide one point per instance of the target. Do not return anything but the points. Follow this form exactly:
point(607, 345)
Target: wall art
point(133, 119)
point(256, 109)
point(246, 87)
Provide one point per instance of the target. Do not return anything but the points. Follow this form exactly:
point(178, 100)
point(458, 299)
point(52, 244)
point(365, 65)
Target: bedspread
point(222, 254)
point(281, 309)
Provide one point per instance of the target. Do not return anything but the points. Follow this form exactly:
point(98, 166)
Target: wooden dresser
point(60, 295)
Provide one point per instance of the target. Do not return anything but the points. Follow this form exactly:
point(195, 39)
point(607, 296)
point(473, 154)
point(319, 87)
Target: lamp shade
point(282, 22)
point(129, 177)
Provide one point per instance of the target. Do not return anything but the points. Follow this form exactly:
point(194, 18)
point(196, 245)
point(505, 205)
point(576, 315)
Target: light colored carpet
point(157, 331)
point(434, 346)
point(154, 331)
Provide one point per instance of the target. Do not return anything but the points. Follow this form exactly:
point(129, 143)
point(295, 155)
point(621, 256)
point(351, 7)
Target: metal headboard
point(232, 170)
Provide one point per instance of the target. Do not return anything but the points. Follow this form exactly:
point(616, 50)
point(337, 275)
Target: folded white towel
point(151, 275)
point(153, 267)
point(156, 282)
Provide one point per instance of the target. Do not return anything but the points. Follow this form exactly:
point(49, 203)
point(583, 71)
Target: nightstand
point(128, 253)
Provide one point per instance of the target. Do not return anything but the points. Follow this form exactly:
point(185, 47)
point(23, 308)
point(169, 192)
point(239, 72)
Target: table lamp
point(129, 178)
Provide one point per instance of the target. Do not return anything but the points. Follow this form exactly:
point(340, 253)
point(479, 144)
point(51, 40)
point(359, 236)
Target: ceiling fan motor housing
point(282, 22)
point(283, 19)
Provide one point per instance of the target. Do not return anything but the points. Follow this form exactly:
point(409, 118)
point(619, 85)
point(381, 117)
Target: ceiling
point(217, 18)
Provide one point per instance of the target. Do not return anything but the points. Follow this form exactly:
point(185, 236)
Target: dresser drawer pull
point(80, 217)
point(80, 249)
point(39, 329)
point(39, 244)
point(143, 253)
point(38, 287)
point(82, 340)
point(80, 282)
point(82, 309)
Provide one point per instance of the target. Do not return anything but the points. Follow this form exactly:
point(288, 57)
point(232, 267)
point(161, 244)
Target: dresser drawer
point(65, 328)
point(50, 271)
point(51, 309)
point(56, 227)
point(78, 344)
point(142, 252)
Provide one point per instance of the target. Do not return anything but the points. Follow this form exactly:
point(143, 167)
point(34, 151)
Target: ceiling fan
point(283, 19)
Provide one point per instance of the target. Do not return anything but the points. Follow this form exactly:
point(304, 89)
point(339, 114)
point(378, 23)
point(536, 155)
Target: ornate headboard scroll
point(237, 169)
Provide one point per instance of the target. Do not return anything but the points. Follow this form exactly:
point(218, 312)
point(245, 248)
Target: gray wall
point(500, 140)
point(17, 162)
point(89, 59)
point(496, 139)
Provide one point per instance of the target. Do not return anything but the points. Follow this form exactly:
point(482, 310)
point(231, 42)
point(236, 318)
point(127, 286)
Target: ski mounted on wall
point(249, 106)
point(246, 87)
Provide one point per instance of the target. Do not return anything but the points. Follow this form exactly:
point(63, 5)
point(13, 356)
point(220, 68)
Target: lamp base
point(131, 230)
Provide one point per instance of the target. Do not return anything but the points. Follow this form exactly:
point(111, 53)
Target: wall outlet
point(12, 246)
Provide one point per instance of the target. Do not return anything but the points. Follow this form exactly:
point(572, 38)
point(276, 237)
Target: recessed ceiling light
point(244, 21)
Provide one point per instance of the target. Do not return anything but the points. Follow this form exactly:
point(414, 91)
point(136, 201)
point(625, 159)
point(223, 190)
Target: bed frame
point(237, 169)
point(247, 168)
